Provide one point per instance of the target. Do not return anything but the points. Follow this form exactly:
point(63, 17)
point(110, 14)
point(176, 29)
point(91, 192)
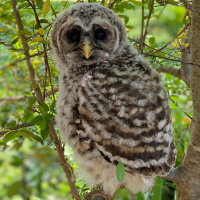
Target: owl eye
point(100, 34)
point(74, 35)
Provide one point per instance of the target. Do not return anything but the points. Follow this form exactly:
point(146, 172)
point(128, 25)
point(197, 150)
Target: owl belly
point(126, 121)
point(95, 170)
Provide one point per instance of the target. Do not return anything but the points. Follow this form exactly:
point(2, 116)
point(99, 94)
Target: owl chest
point(104, 96)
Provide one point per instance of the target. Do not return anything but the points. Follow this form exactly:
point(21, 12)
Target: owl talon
point(95, 195)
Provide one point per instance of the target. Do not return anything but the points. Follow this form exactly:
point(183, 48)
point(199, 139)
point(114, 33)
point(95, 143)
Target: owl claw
point(95, 195)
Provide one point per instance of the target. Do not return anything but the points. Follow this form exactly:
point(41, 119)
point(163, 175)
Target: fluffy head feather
point(86, 19)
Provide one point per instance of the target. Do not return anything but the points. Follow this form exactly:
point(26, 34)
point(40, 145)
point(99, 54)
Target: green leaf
point(161, 2)
point(119, 8)
point(121, 193)
point(15, 40)
point(45, 106)
point(173, 106)
point(49, 116)
point(174, 98)
point(126, 18)
point(23, 5)
point(140, 196)
point(138, 3)
point(24, 32)
point(30, 135)
point(52, 107)
point(32, 101)
point(43, 124)
point(152, 40)
point(37, 119)
point(5, 129)
point(42, 110)
point(45, 132)
point(169, 77)
point(13, 188)
point(43, 21)
point(120, 171)
point(37, 39)
point(173, 2)
point(46, 7)
point(126, 5)
point(39, 3)
point(157, 190)
point(177, 82)
point(160, 54)
point(3, 143)
point(12, 123)
point(26, 116)
point(9, 136)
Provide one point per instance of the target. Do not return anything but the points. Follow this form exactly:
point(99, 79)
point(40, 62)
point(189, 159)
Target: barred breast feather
point(117, 112)
point(124, 111)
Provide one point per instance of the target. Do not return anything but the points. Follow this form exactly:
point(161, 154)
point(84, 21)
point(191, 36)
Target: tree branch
point(24, 125)
point(46, 61)
point(112, 4)
point(170, 70)
point(26, 52)
point(147, 25)
point(49, 93)
point(59, 148)
point(33, 55)
point(142, 31)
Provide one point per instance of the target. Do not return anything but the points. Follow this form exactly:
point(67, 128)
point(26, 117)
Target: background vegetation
point(29, 169)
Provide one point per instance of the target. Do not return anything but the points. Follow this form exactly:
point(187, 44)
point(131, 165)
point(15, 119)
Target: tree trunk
point(187, 176)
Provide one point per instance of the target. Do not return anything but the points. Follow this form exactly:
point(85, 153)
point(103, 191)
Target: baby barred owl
point(112, 106)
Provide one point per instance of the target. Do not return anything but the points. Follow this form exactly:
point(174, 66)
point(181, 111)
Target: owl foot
point(96, 195)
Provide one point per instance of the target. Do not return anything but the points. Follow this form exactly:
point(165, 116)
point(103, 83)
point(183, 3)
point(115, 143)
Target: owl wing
point(127, 117)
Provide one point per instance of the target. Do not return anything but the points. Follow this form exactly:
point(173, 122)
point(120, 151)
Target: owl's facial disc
point(88, 44)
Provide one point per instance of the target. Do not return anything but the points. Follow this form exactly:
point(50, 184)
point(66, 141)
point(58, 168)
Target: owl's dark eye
point(100, 34)
point(74, 35)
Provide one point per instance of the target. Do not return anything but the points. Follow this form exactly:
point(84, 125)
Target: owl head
point(87, 33)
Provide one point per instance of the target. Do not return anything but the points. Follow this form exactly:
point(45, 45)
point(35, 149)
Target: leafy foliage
point(28, 165)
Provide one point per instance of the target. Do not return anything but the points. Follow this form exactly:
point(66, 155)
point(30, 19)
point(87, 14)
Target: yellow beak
point(87, 50)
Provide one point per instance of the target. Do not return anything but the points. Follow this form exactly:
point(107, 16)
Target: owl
point(112, 106)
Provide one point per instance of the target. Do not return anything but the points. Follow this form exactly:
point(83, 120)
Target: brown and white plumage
point(112, 105)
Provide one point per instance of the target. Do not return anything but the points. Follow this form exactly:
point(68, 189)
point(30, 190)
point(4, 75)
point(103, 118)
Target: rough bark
point(187, 176)
point(186, 55)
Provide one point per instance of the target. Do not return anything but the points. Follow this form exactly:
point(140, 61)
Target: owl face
point(86, 34)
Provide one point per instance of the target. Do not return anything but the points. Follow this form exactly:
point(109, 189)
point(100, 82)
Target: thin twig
point(183, 135)
point(49, 93)
point(47, 68)
point(142, 31)
point(31, 56)
point(112, 4)
point(174, 38)
point(53, 11)
point(33, 76)
point(24, 125)
point(177, 106)
point(147, 24)
point(175, 60)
